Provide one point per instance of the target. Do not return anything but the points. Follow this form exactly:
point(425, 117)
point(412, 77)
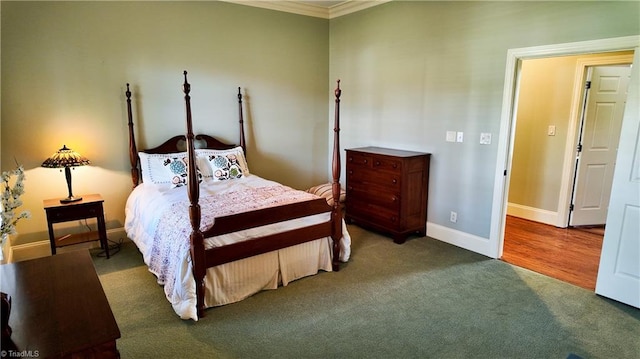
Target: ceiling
point(315, 8)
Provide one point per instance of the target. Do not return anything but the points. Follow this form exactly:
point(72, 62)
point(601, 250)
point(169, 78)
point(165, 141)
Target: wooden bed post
point(242, 140)
point(336, 234)
point(133, 151)
point(196, 238)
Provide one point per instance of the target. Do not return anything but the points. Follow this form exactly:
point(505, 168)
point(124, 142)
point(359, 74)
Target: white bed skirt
point(235, 281)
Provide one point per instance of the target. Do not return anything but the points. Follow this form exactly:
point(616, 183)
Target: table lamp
point(66, 158)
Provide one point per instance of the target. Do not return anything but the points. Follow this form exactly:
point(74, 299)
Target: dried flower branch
point(10, 201)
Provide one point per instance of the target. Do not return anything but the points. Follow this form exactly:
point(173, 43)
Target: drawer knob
point(394, 181)
point(377, 163)
point(395, 165)
point(366, 161)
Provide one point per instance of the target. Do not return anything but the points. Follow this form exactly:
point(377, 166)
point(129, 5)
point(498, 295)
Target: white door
point(599, 138)
point(619, 271)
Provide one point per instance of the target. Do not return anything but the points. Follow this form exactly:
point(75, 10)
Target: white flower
point(10, 201)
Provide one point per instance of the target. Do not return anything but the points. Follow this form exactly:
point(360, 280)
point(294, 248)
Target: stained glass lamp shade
point(66, 158)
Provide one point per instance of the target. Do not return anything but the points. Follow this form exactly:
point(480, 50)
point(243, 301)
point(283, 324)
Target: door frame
point(507, 118)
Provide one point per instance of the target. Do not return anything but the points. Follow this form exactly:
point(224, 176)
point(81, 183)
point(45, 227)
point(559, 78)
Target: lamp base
point(70, 199)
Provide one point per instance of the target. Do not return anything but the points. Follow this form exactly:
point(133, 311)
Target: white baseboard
point(460, 239)
point(533, 214)
point(42, 248)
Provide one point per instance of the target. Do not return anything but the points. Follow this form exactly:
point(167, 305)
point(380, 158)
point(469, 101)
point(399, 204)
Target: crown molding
point(344, 8)
point(351, 6)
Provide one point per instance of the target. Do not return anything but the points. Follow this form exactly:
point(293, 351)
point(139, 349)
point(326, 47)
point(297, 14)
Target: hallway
point(568, 254)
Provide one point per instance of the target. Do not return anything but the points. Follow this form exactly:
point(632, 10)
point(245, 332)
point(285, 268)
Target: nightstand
point(89, 207)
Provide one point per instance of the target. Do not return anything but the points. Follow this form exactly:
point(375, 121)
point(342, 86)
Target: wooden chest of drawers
point(387, 190)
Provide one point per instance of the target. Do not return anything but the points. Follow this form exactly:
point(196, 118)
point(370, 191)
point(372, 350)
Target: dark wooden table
point(59, 309)
point(89, 207)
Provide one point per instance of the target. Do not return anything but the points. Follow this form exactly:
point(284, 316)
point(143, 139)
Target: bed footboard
point(262, 217)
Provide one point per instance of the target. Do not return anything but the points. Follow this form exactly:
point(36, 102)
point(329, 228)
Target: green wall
point(65, 66)
point(412, 70)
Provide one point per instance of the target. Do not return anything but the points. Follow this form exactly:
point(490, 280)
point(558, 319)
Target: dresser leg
point(399, 239)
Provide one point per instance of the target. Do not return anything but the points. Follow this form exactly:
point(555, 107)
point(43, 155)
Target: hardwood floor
point(569, 254)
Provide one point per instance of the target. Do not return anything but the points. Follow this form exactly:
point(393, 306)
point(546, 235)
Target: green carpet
point(422, 299)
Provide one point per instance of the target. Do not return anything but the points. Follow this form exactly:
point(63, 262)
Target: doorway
point(547, 124)
point(621, 233)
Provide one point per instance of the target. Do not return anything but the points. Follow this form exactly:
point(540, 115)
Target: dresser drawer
point(357, 177)
point(380, 163)
point(385, 199)
point(358, 159)
point(379, 215)
point(375, 162)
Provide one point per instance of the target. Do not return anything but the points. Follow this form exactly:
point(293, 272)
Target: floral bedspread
point(170, 247)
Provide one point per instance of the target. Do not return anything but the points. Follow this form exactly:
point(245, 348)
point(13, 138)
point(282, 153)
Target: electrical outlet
point(485, 138)
point(453, 217)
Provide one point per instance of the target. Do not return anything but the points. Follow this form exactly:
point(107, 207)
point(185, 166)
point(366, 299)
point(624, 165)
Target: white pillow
point(222, 165)
point(165, 168)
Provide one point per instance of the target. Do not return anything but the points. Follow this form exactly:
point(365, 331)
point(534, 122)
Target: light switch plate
point(451, 136)
point(459, 136)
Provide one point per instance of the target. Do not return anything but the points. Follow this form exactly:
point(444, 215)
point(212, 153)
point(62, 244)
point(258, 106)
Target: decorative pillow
point(169, 168)
point(222, 165)
point(325, 191)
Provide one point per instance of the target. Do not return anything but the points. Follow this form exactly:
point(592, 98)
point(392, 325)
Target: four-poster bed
point(213, 232)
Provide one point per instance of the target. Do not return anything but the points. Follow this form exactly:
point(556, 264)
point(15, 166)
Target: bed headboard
point(176, 143)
